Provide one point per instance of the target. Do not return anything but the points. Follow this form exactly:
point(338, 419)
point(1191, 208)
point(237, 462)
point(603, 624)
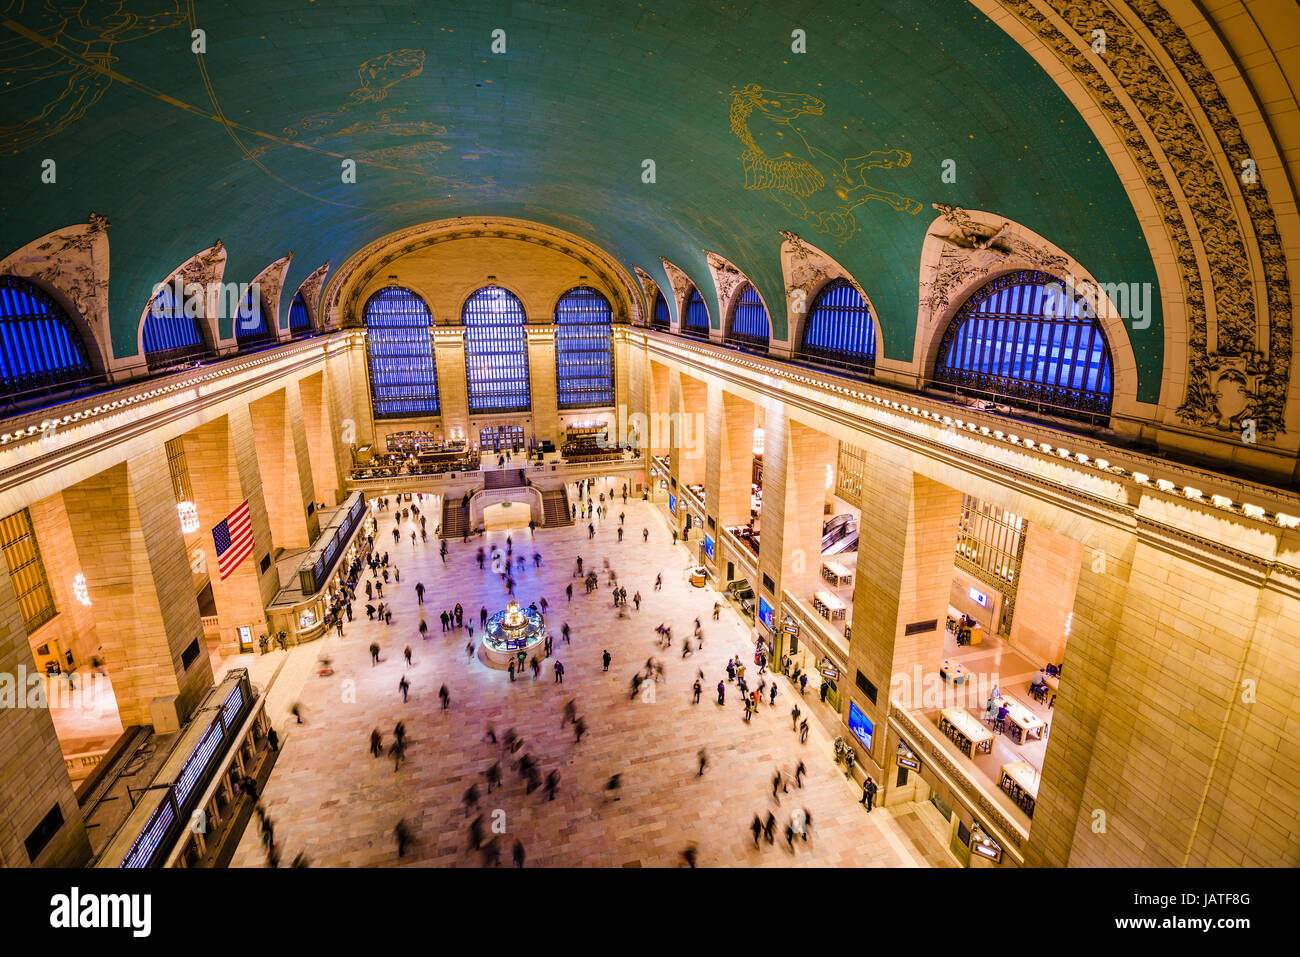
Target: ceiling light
point(1221, 500)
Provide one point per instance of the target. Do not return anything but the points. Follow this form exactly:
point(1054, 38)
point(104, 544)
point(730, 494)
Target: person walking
point(756, 826)
point(645, 534)
point(636, 600)
point(374, 654)
point(697, 689)
point(803, 731)
point(518, 852)
point(407, 654)
point(559, 672)
point(868, 793)
point(403, 836)
point(376, 743)
point(606, 659)
point(564, 631)
point(722, 697)
point(445, 695)
point(404, 686)
point(704, 761)
point(579, 729)
point(659, 581)
point(769, 828)
point(794, 718)
point(799, 772)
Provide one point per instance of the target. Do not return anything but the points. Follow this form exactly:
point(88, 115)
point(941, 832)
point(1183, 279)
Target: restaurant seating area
point(415, 453)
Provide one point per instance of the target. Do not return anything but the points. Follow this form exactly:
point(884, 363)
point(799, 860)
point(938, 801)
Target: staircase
point(503, 478)
point(455, 519)
point(555, 508)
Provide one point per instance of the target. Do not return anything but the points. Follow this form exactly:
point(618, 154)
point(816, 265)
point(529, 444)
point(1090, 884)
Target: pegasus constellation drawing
point(807, 180)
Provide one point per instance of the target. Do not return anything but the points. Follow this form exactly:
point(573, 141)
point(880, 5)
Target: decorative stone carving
point(74, 262)
point(1248, 333)
point(270, 284)
point(726, 279)
point(679, 281)
point(974, 250)
point(650, 288)
point(310, 290)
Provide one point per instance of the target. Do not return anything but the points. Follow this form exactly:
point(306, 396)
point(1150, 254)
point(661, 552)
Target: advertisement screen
point(672, 503)
point(708, 546)
point(979, 598)
point(765, 612)
point(860, 726)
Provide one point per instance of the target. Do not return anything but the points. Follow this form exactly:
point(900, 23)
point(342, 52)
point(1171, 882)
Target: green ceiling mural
point(843, 144)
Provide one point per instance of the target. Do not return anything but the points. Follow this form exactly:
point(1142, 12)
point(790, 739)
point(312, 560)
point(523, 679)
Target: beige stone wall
point(321, 436)
point(33, 777)
point(541, 375)
point(1049, 574)
point(132, 552)
point(74, 625)
point(729, 456)
point(280, 440)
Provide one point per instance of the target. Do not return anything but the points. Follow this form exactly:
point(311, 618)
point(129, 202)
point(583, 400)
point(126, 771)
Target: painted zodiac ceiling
point(246, 141)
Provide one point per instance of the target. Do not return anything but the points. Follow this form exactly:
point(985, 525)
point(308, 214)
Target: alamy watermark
point(1128, 302)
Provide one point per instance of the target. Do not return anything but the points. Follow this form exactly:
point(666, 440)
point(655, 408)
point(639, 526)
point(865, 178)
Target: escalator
point(839, 534)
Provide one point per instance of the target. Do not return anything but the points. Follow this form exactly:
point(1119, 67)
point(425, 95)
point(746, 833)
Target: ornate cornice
point(1250, 348)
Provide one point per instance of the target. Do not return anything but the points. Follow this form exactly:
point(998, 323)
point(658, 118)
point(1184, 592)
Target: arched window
point(39, 346)
point(749, 328)
point(1020, 338)
point(584, 350)
point(399, 347)
point(496, 352)
point(696, 320)
point(299, 318)
point(840, 331)
point(170, 335)
point(254, 324)
point(661, 320)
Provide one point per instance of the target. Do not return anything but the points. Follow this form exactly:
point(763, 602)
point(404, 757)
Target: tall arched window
point(39, 346)
point(584, 350)
point(749, 328)
point(661, 319)
point(170, 335)
point(696, 320)
point(299, 318)
point(1020, 338)
point(496, 352)
point(254, 324)
point(399, 347)
point(840, 331)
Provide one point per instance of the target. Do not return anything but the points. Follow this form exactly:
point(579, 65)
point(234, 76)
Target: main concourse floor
point(331, 800)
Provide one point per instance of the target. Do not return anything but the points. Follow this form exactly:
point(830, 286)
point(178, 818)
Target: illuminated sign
point(979, 598)
point(764, 612)
point(860, 725)
point(708, 546)
point(672, 504)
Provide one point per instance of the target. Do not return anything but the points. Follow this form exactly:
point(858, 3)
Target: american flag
point(233, 537)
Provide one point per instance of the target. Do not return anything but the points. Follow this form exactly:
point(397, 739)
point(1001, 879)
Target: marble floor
point(331, 800)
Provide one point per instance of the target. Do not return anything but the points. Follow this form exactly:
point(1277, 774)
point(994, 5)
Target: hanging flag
point(233, 537)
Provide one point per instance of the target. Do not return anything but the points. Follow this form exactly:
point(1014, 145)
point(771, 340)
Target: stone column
point(729, 465)
point(541, 380)
point(907, 544)
point(75, 622)
point(1099, 601)
point(280, 438)
point(322, 437)
point(795, 458)
point(224, 472)
point(659, 405)
point(453, 388)
point(138, 576)
point(33, 778)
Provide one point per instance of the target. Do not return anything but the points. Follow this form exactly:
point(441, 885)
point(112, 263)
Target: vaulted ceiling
point(845, 144)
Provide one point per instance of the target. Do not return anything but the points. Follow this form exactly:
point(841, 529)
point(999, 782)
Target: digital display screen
point(765, 612)
point(860, 725)
point(708, 546)
point(672, 504)
point(979, 598)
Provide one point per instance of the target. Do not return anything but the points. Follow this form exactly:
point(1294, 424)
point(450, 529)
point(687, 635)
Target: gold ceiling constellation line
point(56, 47)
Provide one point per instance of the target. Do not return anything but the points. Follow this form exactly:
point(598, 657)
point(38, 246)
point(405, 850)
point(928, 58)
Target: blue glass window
point(39, 346)
point(252, 321)
point(696, 321)
point(840, 331)
point(299, 318)
point(1020, 339)
point(399, 346)
point(584, 350)
point(170, 336)
point(662, 320)
point(749, 329)
point(496, 352)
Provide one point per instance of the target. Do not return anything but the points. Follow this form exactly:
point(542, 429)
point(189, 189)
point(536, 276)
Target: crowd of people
point(509, 755)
